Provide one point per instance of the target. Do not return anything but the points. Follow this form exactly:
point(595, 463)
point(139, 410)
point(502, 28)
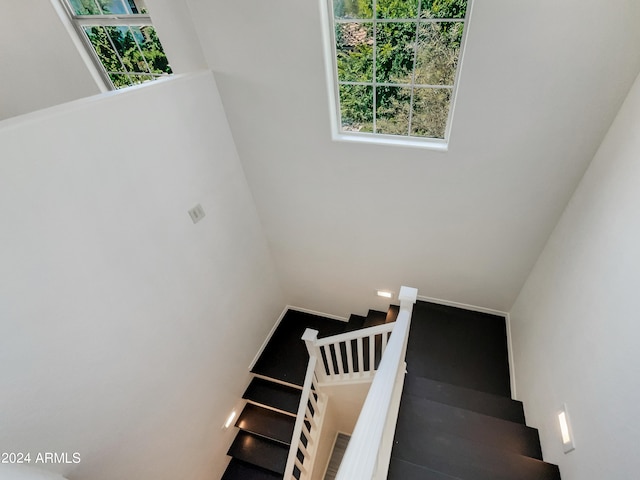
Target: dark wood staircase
point(457, 420)
point(259, 451)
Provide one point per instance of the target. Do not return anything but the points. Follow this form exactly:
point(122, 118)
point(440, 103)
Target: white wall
point(23, 471)
point(349, 400)
point(174, 24)
point(575, 323)
point(326, 441)
point(41, 66)
point(536, 97)
point(341, 416)
point(126, 330)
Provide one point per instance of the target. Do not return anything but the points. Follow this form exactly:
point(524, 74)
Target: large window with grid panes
point(395, 66)
point(121, 39)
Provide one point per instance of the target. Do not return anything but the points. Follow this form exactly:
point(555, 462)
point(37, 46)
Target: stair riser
point(408, 471)
point(266, 423)
point(273, 409)
point(419, 415)
point(480, 402)
point(273, 395)
point(258, 451)
point(238, 470)
point(469, 460)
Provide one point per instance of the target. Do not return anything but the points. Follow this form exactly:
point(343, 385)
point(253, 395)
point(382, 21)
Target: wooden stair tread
point(401, 470)
point(285, 356)
point(374, 318)
point(273, 395)
point(355, 323)
point(260, 452)
point(460, 347)
point(474, 400)
point(466, 459)
point(266, 423)
point(239, 470)
point(456, 422)
point(419, 415)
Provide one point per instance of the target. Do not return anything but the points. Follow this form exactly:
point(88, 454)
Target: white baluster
point(338, 351)
point(360, 356)
point(372, 353)
point(327, 351)
point(349, 346)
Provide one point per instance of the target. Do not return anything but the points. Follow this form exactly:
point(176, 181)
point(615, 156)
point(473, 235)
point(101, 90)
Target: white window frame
point(331, 70)
point(76, 23)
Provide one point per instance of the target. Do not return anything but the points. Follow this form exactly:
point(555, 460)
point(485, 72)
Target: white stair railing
point(362, 355)
point(308, 425)
point(367, 456)
point(349, 357)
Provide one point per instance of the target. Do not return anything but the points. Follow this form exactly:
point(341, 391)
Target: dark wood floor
point(285, 357)
point(460, 347)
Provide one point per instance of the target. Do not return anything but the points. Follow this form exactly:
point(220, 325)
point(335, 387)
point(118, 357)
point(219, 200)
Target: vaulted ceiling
point(540, 84)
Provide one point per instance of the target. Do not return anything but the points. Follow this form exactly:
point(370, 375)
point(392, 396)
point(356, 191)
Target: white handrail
point(348, 357)
point(355, 334)
point(361, 458)
point(327, 365)
point(305, 414)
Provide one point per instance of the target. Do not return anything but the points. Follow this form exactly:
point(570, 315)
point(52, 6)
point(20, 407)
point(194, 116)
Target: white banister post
point(407, 296)
point(310, 338)
point(372, 437)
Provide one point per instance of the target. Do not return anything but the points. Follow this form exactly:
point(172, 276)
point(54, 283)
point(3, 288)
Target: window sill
point(392, 140)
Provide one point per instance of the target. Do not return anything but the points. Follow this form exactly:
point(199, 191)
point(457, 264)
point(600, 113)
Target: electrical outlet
point(196, 213)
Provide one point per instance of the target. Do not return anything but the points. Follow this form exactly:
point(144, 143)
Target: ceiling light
point(384, 293)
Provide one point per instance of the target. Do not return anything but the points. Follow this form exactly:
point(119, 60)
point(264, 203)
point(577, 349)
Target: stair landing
point(285, 357)
point(457, 420)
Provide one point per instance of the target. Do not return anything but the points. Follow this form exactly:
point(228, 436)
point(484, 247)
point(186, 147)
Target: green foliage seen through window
point(396, 72)
point(130, 54)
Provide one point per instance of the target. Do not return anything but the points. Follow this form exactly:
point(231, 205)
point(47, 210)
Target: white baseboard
point(266, 340)
point(319, 314)
point(464, 306)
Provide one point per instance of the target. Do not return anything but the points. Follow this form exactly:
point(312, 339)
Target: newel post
point(408, 297)
point(310, 338)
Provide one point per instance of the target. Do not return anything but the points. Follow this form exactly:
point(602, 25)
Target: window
point(121, 37)
point(395, 64)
